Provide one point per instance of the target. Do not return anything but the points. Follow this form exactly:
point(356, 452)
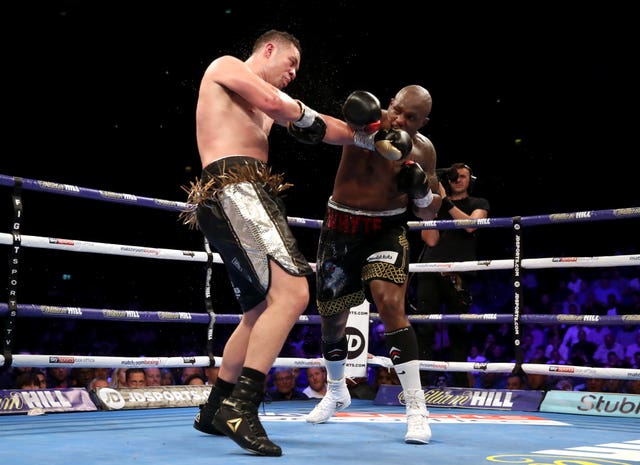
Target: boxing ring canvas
point(364, 433)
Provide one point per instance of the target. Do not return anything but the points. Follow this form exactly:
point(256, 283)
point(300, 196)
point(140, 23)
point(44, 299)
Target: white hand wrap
point(424, 202)
point(364, 140)
point(307, 117)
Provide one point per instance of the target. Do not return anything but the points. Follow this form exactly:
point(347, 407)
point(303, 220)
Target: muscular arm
point(424, 152)
point(236, 76)
point(338, 132)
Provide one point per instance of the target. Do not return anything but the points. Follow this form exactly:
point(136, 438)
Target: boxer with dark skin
point(366, 182)
point(364, 252)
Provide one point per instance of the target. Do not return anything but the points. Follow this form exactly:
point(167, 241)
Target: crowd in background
point(604, 291)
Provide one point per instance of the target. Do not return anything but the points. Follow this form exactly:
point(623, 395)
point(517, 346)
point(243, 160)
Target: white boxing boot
point(337, 398)
point(418, 429)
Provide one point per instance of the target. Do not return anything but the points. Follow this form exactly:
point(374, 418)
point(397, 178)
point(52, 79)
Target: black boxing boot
point(203, 421)
point(238, 419)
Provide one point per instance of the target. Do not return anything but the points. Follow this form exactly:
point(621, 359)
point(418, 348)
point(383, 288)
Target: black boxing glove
point(361, 109)
point(413, 181)
point(392, 144)
point(310, 128)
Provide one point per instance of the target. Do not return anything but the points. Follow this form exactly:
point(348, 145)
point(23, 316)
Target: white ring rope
point(74, 245)
point(29, 360)
point(91, 361)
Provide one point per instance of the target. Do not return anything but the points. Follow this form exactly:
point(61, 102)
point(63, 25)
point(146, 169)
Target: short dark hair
point(26, 379)
point(130, 371)
point(193, 376)
point(275, 35)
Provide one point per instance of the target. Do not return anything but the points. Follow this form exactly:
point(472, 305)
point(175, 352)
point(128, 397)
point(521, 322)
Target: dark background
point(540, 100)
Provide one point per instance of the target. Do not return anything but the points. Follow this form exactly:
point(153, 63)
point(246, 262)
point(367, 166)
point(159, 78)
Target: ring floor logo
point(611, 453)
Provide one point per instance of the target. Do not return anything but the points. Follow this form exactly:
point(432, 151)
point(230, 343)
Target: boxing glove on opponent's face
point(310, 128)
point(361, 109)
point(413, 181)
point(392, 144)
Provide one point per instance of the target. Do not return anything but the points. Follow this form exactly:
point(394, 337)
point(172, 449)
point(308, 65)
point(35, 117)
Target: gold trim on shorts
point(199, 192)
point(335, 306)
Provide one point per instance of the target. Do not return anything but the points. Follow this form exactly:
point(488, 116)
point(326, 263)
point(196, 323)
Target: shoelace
point(413, 403)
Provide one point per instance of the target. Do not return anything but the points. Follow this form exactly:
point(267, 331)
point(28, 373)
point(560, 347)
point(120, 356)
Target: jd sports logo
point(111, 398)
point(355, 341)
